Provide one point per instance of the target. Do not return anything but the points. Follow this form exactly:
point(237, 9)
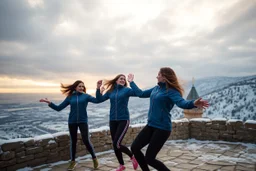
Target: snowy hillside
point(211, 84)
point(235, 101)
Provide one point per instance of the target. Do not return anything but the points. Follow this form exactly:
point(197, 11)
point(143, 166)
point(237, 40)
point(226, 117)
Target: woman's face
point(160, 78)
point(121, 80)
point(80, 87)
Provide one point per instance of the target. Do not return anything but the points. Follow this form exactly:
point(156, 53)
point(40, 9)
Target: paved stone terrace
point(179, 155)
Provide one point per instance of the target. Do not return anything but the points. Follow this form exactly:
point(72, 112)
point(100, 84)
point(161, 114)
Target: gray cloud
point(20, 22)
point(35, 43)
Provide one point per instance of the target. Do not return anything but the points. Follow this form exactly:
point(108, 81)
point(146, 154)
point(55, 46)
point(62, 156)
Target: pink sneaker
point(120, 168)
point(134, 163)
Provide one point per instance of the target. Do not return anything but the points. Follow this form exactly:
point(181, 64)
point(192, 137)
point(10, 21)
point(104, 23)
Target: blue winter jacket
point(161, 103)
point(78, 103)
point(119, 98)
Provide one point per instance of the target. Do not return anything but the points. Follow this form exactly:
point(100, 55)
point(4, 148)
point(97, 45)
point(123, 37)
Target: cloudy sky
point(47, 42)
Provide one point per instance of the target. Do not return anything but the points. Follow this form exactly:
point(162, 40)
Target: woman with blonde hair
point(78, 100)
point(119, 118)
point(163, 97)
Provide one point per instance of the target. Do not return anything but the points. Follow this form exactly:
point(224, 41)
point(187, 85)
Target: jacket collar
point(118, 86)
point(162, 85)
point(77, 93)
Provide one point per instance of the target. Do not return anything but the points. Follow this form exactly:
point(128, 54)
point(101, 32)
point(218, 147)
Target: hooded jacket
point(78, 104)
point(162, 101)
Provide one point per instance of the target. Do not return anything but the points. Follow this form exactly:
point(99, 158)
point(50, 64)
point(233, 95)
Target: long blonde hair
point(171, 79)
point(110, 84)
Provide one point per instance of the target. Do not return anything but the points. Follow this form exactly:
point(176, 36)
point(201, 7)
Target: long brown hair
point(171, 79)
point(110, 84)
point(68, 89)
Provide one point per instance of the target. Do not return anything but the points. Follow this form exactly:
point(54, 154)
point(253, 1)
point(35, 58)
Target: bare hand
point(45, 100)
point(200, 103)
point(99, 84)
point(130, 78)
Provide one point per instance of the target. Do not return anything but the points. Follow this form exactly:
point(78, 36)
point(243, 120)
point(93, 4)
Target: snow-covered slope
point(211, 84)
point(235, 101)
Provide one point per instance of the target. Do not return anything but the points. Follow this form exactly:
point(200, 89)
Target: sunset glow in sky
point(44, 43)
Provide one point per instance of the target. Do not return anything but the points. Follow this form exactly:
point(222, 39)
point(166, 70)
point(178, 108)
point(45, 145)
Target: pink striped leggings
point(118, 130)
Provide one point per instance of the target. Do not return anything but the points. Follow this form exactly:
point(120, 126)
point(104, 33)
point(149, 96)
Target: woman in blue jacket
point(163, 97)
point(118, 93)
point(78, 101)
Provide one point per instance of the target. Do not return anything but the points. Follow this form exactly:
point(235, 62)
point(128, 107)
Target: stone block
point(62, 148)
point(250, 125)
point(251, 132)
point(33, 150)
point(7, 155)
point(17, 150)
point(238, 137)
point(44, 142)
point(63, 143)
point(64, 137)
point(25, 158)
point(41, 155)
point(222, 127)
point(20, 154)
point(12, 146)
point(219, 122)
point(29, 143)
point(51, 146)
point(230, 127)
point(65, 152)
point(212, 130)
point(215, 126)
point(7, 163)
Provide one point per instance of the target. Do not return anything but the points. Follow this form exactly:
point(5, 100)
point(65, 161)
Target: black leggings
point(83, 127)
point(155, 138)
point(118, 130)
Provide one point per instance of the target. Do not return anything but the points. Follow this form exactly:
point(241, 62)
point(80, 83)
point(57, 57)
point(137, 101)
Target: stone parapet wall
point(222, 129)
point(30, 152)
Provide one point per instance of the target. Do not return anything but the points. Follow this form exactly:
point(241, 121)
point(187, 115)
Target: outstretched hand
point(130, 78)
point(45, 100)
point(200, 103)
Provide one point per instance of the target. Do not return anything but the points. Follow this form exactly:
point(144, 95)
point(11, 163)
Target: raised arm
point(93, 99)
point(64, 104)
point(176, 97)
point(98, 91)
point(99, 96)
point(138, 92)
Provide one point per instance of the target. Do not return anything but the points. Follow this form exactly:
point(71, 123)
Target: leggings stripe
point(123, 134)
